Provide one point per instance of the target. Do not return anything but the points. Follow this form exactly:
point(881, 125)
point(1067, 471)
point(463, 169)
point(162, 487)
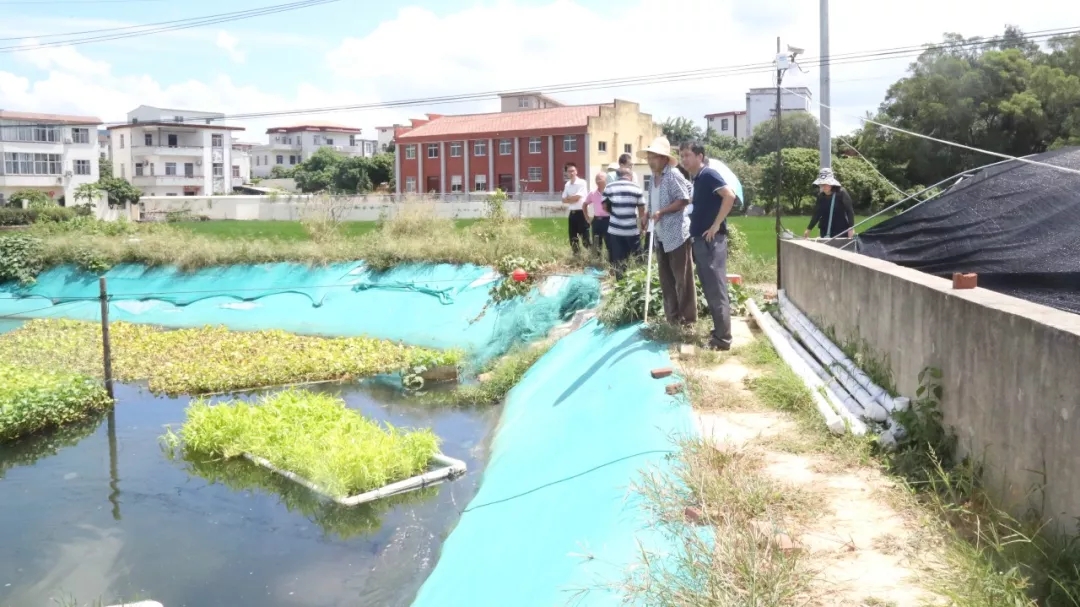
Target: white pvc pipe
point(879, 394)
point(775, 333)
point(841, 402)
point(820, 358)
point(870, 407)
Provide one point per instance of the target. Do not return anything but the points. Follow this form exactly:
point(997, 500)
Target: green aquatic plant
point(36, 400)
point(313, 435)
point(211, 359)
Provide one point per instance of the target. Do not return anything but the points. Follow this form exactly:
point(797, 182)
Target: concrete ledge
point(1011, 380)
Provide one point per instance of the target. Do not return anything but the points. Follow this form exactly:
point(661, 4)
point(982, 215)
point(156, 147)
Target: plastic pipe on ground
point(819, 358)
point(775, 333)
point(870, 407)
point(842, 402)
point(880, 395)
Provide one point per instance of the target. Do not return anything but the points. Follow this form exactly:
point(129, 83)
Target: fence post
point(106, 348)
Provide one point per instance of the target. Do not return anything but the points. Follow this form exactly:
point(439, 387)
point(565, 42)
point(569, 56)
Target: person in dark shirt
point(833, 211)
point(712, 201)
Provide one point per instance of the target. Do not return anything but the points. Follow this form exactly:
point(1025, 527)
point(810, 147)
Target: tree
point(280, 172)
point(681, 130)
point(800, 168)
point(119, 191)
point(797, 130)
point(104, 168)
point(35, 199)
point(331, 171)
point(87, 193)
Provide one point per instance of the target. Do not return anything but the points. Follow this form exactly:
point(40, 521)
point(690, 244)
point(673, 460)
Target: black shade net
point(1015, 224)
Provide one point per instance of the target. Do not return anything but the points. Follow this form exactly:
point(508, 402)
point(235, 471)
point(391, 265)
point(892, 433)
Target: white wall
point(736, 125)
point(761, 105)
point(120, 145)
point(242, 159)
point(147, 113)
point(63, 184)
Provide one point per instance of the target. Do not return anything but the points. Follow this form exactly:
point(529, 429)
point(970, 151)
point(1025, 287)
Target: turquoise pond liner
point(555, 513)
point(440, 306)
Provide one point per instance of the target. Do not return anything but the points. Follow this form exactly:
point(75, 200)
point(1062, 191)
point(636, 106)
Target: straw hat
point(660, 146)
point(614, 166)
point(825, 177)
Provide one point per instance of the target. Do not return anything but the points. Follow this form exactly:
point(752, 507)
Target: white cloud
point(489, 47)
point(230, 45)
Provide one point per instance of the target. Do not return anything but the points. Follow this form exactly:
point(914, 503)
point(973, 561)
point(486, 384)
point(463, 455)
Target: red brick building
point(515, 150)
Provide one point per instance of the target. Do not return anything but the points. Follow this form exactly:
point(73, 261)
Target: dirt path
point(864, 544)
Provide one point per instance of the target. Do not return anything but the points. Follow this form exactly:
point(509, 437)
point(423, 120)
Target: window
point(534, 145)
point(217, 140)
point(23, 163)
point(219, 169)
point(138, 170)
point(455, 184)
point(148, 139)
point(178, 118)
point(123, 170)
point(723, 124)
point(329, 141)
point(172, 194)
point(410, 185)
point(627, 149)
point(410, 152)
point(235, 171)
point(536, 173)
point(292, 159)
point(189, 169)
point(480, 183)
point(266, 160)
point(46, 134)
point(480, 148)
point(601, 146)
point(280, 159)
point(80, 135)
point(121, 142)
point(433, 150)
point(352, 141)
point(317, 139)
point(524, 102)
point(569, 143)
point(170, 168)
point(82, 167)
point(455, 149)
point(648, 183)
point(506, 147)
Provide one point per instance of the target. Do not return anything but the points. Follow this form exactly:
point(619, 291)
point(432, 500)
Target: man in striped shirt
point(627, 202)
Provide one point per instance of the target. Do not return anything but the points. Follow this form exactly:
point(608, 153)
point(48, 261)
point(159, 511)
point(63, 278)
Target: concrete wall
point(1011, 386)
point(618, 126)
point(354, 208)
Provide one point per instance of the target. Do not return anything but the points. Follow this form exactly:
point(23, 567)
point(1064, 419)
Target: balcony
point(162, 180)
point(32, 181)
point(138, 151)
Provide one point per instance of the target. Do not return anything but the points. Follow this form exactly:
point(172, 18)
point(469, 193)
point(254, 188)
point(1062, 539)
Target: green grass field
point(760, 231)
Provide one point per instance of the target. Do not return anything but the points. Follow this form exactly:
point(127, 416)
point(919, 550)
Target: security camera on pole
point(783, 62)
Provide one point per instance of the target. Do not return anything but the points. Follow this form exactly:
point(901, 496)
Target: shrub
point(315, 436)
point(32, 401)
point(625, 303)
point(21, 258)
point(211, 359)
point(10, 216)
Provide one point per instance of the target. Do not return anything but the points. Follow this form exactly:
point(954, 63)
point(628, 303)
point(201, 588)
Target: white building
point(241, 162)
point(730, 124)
point(167, 152)
point(291, 145)
point(761, 104)
point(52, 153)
point(386, 135)
point(103, 144)
point(527, 100)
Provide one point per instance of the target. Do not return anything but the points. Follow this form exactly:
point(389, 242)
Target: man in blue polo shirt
point(712, 202)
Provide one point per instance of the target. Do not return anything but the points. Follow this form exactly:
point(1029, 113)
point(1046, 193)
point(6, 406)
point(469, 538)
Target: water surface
point(98, 511)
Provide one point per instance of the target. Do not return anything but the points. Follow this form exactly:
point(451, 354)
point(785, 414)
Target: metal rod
point(779, 162)
point(824, 113)
point(106, 349)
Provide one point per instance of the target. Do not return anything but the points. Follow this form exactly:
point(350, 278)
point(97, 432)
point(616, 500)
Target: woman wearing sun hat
point(833, 211)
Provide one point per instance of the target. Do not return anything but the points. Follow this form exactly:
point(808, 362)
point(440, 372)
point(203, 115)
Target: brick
point(673, 389)
point(694, 515)
point(687, 350)
point(965, 281)
point(734, 279)
point(661, 372)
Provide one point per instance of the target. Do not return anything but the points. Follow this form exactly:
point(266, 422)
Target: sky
point(362, 52)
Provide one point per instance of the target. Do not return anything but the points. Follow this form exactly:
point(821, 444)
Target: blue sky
point(359, 51)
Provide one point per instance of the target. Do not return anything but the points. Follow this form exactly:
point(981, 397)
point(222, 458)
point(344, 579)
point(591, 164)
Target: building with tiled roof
point(50, 153)
point(288, 146)
point(517, 149)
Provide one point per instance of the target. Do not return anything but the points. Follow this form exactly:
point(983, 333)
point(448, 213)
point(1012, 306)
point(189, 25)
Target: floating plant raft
point(317, 441)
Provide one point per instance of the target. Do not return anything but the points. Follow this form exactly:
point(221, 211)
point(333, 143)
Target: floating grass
point(35, 400)
point(211, 359)
point(312, 435)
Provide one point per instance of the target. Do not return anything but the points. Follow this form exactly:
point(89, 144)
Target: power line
point(49, 2)
point(131, 31)
point(699, 74)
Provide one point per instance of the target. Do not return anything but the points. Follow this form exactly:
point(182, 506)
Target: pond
point(99, 511)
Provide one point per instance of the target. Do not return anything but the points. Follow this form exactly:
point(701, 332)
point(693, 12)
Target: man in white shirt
point(574, 194)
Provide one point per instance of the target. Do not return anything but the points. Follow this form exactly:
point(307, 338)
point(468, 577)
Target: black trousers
point(599, 233)
point(579, 230)
point(621, 249)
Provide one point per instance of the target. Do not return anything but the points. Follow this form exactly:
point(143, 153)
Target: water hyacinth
point(310, 434)
point(32, 401)
point(210, 359)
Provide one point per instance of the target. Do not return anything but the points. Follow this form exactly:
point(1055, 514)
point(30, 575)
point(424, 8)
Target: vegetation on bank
point(970, 552)
point(36, 400)
point(313, 435)
point(210, 359)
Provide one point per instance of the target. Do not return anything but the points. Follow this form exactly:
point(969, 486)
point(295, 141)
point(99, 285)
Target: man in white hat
point(833, 210)
point(668, 199)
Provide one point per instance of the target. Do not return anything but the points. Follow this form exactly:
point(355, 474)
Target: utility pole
point(106, 346)
point(824, 113)
point(779, 161)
